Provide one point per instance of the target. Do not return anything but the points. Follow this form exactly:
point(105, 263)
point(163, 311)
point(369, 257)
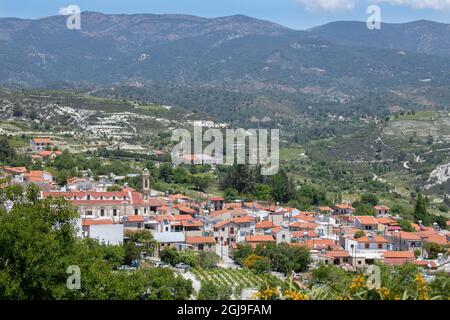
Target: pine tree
point(420, 212)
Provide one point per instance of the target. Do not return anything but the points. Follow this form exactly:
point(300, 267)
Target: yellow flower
point(293, 295)
point(422, 287)
point(268, 294)
point(358, 282)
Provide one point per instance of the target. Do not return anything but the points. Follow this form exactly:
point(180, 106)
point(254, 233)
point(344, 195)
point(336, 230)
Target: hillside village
point(333, 234)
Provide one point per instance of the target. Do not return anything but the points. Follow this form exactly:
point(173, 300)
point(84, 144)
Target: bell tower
point(146, 184)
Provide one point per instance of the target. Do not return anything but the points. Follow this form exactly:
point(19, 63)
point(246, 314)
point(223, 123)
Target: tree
point(166, 172)
point(44, 234)
point(33, 193)
point(6, 151)
point(433, 249)
point(242, 252)
point(262, 192)
point(200, 182)
point(170, 256)
point(420, 211)
point(363, 209)
point(369, 198)
point(131, 252)
point(207, 260)
point(144, 238)
point(211, 291)
point(280, 187)
point(405, 225)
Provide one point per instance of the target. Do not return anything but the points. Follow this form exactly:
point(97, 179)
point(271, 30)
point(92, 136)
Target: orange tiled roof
point(90, 222)
point(135, 218)
point(265, 238)
point(338, 254)
point(264, 225)
point(366, 220)
point(386, 221)
point(191, 223)
point(42, 140)
point(303, 225)
point(198, 240)
point(399, 254)
point(247, 219)
point(372, 239)
point(382, 208)
point(344, 206)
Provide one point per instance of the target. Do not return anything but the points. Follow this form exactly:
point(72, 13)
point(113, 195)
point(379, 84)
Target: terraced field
point(242, 278)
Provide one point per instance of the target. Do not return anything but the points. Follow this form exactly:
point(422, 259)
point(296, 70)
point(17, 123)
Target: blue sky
point(297, 14)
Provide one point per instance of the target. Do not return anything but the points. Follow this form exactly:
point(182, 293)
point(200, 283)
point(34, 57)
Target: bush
point(211, 291)
point(207, 260)
point(359, 234)
point(170, 256)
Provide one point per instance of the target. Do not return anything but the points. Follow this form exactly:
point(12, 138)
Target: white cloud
point(347, 5)
point(328, 5)
point(420, 4)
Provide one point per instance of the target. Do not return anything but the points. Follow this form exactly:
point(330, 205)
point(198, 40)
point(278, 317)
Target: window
point(114, 212)
point(102, 212)
point(380, 246)
point(136, 212)
point(359, 262)
point(367, 245)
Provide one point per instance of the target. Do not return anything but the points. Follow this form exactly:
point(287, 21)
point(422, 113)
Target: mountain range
point(232, 65)
point(181, 48)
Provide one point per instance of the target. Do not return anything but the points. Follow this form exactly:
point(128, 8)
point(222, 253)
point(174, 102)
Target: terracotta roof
point(42, 140)
point(322, 242)
point(325, 209)
point(303, 225)
point(191, 223)
point(386, 221)
point(155, 202)
point(46, 153)
point(264, 225)
point(301, 234)
point(399, 254)
point(406, 235)
point(186, 209)
point(344, 206)
point(338, 254)
point(236, 211)
point(247, 219)
point(372, 239)
point(366, 220)
point(217, 199)
point(259, 239)
point(90, 222)
point(436, 238)
point(382, 208)
point(198, 239)
point(303, 216)
point(135, 218)
point(16, 169)
point(276, 230)
point(222, 223)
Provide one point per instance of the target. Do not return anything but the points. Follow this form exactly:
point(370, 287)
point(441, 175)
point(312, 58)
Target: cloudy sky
point(298, 14)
